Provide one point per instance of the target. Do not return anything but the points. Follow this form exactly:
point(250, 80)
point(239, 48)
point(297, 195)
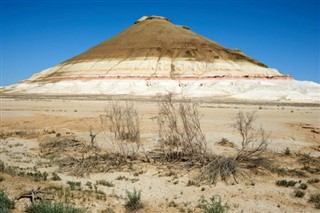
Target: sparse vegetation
point(180, 132)
point(123, 122)
point(121, 177)
point(37, 176)
point(172, 204)
point(74, 185)
point(133, 200)
point(315, 199)
point(303, 186)
point(89, 184)
point(173, 162)
point(47, 207)
point(226, 142)
point(105, 183)
point(5, 202)
point(299, 193)
point(252, 144)
point(287, 151)
point(286, 183)
point(55, 177)
point(310, 163)
point(313, 180)
point(214, 205)
point(191, 183)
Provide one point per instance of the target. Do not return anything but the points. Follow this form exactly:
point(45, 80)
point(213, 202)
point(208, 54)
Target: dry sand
point(163, 186)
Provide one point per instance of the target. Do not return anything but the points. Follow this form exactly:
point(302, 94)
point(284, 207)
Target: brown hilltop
point(157, 37)
point(153, 47)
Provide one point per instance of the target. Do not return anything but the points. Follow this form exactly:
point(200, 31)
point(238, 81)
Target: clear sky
point(284, 34)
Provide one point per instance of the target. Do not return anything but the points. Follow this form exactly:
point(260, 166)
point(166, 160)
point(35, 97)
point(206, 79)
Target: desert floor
point(27, 124)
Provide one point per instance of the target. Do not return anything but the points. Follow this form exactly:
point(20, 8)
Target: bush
point(105, 183)
point(74, 185)
point(55, 177)
point(133, 200)
point(5, 202)
point(286, 183)
point(2, 178)
point(37, 176)
point(303, 186)
point(299, 193)
point(179, 129)
point(252, 144)
point(315, 198)
point(47, 207)
point(214, 205)
point(313, 180)
point(123, 122)
point(287, 151)
point(89, 184)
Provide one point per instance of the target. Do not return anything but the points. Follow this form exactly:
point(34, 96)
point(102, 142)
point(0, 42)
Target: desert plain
point(29, 123)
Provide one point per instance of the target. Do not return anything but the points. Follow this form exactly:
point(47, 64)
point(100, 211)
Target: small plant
point(287, 151)
point(303, 186)
point(100, 192)
point(55, 177)
point(105, 183)
point(214, 205)
point(315, 198)
point(191, 183)
point(120, 177)
point(2, 178)
point(313, 180)
point(172, 204)
point(74, 185)
point(286, 183)
point(89, 184)
point(47, 207)
point(299, 193)
point(5, 202)
point(133, 200)
point(37, 176)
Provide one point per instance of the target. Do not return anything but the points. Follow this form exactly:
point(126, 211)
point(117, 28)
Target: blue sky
point(284, 34)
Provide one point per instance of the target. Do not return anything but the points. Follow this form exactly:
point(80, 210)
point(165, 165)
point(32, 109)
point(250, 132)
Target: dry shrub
point(253, 145)
point(79, 158)
point(122, 121)
point(180, 131)
point(218, 166)
point(309, 163)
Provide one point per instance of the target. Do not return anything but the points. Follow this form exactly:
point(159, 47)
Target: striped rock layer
point(155, 48)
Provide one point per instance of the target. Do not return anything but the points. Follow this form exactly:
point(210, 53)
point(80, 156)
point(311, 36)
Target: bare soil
point(27, 124)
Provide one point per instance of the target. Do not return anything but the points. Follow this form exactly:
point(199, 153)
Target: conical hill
point(153, 47)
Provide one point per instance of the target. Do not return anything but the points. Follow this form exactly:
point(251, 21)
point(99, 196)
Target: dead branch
point(123, 122)
point(179, 129)
point(252, 144)
point(33, 195)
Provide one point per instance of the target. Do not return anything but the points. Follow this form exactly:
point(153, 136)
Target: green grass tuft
point(5, 202)
point(47, 207)
point(133, 200)
point(214, 205)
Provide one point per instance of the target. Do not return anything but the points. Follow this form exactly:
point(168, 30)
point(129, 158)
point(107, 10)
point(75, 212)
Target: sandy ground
point(163, 186)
